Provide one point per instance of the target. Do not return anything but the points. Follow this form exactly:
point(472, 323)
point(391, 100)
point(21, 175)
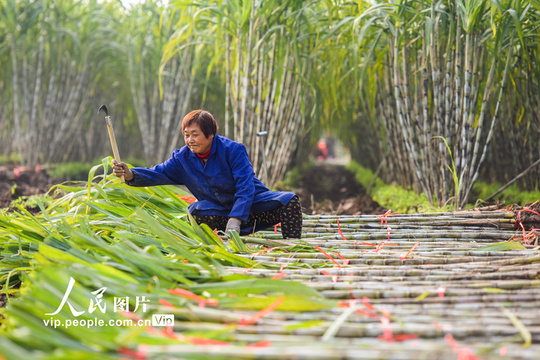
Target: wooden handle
point(114, 146)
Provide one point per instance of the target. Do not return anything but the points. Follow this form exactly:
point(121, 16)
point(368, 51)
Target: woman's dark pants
point(290, 217)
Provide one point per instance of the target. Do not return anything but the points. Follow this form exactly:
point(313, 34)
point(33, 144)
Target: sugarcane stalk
point(26, 95)
point(170, 86)
point(15, 83)
point(246, 72)
point(447, 128)
point(457, 94)
point(258, 109)
point(146, 112)
point(293, 124)
point(333, 330)
point(493, 122)
point(304, 346)
point(395, 159)
point(139, 101)
point(411, 117)
point(424, 129)
point(405, 275)
point(405, 127)
point(253, 126)
point(487, 94)
point(275, 116)
point(271, 83)
point(32, 121)
point(427, 131)
point(227, 80)
point(464, 108)
point(469, 117)
point(66, 125)
point(236, 89)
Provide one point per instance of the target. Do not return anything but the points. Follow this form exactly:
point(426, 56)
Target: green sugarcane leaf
point(298, 303)
point(69, 354)
point(31, 228)
point(169, 240)
point(41, 260)
point(10, 350)
point(502, 246)
point(55, 254)
point(200, 233)
point(237, 260)
point(494, 290)
point(237, 244)
point(91, 177)
point(235, 277)
point(42, 334)
point(257, 286)
point(101, 192)
point(305, 325)
point(113, 209)
point(109, 271)
point(523, 331)
point(423, 296)
point(212, 237)
point(100, 209)
point(131, 336)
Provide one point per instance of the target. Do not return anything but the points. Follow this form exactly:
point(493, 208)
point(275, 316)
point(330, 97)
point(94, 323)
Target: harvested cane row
point(423, 286)
point(418, 286)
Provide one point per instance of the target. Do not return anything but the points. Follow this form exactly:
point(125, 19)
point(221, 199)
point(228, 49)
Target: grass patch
point(511, 195)
point(406, 201)
point(9, 159)
point(390, 196)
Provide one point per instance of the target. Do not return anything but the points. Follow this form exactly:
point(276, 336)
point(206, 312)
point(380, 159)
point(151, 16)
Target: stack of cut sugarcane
point(464, 291)
point(422, 286)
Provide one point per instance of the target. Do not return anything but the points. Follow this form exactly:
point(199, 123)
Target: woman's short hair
point(203, 119)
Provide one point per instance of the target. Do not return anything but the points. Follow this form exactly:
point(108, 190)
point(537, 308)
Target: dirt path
point(333, 190)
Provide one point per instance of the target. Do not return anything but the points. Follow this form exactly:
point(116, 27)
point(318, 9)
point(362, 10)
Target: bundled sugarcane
point(380, 283)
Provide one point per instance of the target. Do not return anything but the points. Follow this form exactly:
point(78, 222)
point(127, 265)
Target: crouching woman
point(217, 171)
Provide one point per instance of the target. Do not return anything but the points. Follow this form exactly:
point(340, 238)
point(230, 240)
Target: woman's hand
point(233, 224)
point(121, 169)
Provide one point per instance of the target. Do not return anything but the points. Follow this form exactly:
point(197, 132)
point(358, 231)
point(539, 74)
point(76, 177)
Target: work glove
point(233, 224)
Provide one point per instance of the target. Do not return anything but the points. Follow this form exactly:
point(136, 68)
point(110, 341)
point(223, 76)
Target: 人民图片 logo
point(97, 302)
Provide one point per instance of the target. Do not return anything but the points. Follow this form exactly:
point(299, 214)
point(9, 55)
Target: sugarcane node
point(103, 108)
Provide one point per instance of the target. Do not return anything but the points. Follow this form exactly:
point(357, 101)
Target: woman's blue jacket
point(225, 186)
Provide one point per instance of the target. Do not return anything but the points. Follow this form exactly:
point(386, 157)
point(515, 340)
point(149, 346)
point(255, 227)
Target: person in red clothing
point(217, 171)
point(321, 145)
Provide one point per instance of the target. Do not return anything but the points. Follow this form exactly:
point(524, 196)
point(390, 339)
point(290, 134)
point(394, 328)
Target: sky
point(128, 3)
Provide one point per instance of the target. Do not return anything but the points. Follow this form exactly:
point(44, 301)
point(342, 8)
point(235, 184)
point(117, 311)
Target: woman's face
point(196, 141)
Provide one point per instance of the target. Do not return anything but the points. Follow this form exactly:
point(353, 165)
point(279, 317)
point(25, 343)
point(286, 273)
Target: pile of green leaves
point(134, 242)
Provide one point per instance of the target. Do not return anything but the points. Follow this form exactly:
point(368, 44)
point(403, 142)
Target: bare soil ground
point(3, 301)
point(16, 181)
point(528, 216)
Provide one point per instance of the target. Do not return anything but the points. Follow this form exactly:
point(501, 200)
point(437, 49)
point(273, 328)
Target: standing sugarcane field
point(269, 179)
